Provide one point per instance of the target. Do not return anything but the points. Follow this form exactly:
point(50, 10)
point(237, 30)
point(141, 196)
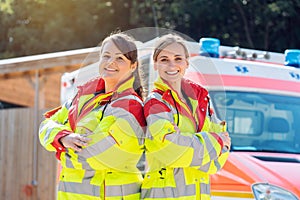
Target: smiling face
point(171, 63)
point(114, 66)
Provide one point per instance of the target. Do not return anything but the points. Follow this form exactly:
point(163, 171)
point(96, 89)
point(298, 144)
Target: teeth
point(172, 73)
point(110, 69)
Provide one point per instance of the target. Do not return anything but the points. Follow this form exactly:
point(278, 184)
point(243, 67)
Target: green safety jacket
point(108, 167)
point(182, 143)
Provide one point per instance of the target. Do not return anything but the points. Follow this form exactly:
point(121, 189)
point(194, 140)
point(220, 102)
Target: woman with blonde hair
point(183, 143)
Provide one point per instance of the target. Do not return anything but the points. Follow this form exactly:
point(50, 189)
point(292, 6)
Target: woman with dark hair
point(98, 135)
point(184, 145)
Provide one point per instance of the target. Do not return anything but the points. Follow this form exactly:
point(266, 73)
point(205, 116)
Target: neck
point(110, 85)
point(176, 86)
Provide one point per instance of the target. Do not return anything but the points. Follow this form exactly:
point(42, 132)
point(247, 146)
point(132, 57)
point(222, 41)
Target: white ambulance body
point(260, 100)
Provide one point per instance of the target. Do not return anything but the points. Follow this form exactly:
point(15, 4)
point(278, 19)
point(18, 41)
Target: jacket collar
point(97, 85)
point(191, 89)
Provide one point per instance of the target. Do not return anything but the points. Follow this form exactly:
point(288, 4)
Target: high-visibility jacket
point(107, 167)
point(182, 144)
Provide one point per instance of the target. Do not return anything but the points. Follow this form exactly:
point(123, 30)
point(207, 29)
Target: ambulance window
point(260, 121)
point(245, 122)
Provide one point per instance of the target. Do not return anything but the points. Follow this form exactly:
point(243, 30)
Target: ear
point(133, 66)
point(187, 63)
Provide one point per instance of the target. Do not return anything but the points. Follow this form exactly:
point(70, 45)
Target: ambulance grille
point(277, 159)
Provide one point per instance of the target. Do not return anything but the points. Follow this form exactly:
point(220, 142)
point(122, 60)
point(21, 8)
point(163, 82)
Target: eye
point(178, 59)
point(106, 56)
point(120, 58)
point(163, 60)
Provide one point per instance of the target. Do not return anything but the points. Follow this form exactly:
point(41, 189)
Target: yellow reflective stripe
point(197, 190)
point(232, 194)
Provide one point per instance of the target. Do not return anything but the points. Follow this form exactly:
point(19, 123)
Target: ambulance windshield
point(260, 122)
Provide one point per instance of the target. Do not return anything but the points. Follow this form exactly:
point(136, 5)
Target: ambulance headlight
point(265, 191)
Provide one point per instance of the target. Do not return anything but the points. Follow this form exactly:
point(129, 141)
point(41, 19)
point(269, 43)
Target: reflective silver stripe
point(68, 163)
point(209, 146)
point(183, 191)
point(79, 188)
point(42, 127)
point(205, 188)
point(205, 168)
point(88, 175)
point(85, 165)
point(97, 148)
point(217, 164)
point(47, 135)
point(122, 190)
point(182, 140)
point(68, 103)
point(182, 188)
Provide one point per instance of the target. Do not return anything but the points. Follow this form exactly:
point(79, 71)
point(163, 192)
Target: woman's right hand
point(75, 141)
point(226, 139)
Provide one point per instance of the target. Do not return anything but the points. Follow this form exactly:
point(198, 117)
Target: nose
point(111, 61)
point(172, 64)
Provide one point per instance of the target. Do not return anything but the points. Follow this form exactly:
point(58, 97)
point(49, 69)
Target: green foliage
point(40, 26)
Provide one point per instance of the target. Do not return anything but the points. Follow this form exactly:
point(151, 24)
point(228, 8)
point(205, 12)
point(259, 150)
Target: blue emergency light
point(292, 57)
point(209, 47)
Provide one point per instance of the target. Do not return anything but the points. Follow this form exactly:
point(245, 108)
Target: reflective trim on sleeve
point(97, 148)
point(47, 135)
point(217, 164)
point(209, 146)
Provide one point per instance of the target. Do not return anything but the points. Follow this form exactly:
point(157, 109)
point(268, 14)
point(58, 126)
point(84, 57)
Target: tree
point(40, 26)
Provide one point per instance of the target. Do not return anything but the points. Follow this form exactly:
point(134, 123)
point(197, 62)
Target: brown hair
point(126, 44)
point(167, 40)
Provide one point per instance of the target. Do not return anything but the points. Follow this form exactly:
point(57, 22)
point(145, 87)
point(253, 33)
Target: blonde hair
point(167, 40)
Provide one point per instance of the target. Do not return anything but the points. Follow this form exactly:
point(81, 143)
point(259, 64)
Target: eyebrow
point(107, 52)
point(177, 55)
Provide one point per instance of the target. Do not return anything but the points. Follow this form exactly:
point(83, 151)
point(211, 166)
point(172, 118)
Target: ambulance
point(258, 94)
